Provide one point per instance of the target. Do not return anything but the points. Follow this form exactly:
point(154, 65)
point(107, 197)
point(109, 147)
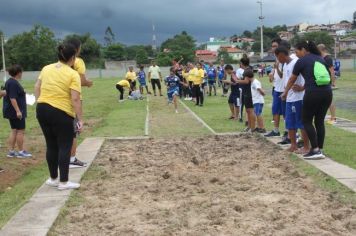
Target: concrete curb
point(37, 216)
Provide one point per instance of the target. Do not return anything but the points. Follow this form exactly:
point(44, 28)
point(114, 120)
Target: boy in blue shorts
point(294, 101)
point(258, 102)
point(173, 82)
point(212, 78)
point(142, 80)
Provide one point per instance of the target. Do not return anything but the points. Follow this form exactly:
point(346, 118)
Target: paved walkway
point(36, 217)
point(345, 124)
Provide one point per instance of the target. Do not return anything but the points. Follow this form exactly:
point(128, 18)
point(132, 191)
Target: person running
point(330, 64)
point(58, 90)
point(234, 98)
point(80, 67)
point(172, 81)
point(294, 100)
point(198, 81)
point(318, 94)
point(121, 85)
point(245, 84)
point(212, 74)
point(142, 80)
point(155, 78)
point(131, 76)
point(258, 102)
point(15, 110)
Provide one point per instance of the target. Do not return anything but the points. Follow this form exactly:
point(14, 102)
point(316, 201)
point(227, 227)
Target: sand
point(228, 185)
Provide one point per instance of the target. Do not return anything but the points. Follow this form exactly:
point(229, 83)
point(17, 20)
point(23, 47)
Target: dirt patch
point(201, 186)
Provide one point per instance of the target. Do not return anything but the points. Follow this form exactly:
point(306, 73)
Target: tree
point(317, 37)
point(223, 54)
point(115, 52)
point(32, 50)
point(142, 57)
point(245, 46)
point(109, 36)
point(181, 45)
point(247, 34)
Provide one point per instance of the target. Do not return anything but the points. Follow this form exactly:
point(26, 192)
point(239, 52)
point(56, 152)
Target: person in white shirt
point(294, 101)
point(258, 102)
point(155, 78)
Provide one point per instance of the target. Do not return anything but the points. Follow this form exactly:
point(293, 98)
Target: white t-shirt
point(287, 73)
point(256, 95)
point(154, 70)
point(239, 73)
point(278, 81)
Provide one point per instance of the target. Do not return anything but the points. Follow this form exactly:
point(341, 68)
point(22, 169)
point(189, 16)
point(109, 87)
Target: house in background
point(348, 43)
point(206, 55)
point(234, 52)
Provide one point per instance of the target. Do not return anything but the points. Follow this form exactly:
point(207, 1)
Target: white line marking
point(147, 118)
point(198, 118)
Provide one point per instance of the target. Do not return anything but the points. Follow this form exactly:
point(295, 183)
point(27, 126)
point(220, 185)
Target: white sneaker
point(68, 185)
point(121, 100)
point(52, 183)
point(177, 112)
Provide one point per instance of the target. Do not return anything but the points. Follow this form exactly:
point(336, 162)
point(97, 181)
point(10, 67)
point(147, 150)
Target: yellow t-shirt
point(131, 76)
point(192, 74)
point(57, 81)
point(79, 65)
point(199, 76)
point(124, 83)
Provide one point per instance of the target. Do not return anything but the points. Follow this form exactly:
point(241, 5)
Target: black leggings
point(315, 107)
point(121, 90)
point(57, 127)
point(155, 82)
point(198, 91)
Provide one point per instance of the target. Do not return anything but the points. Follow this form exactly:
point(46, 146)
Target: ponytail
point(309, 46)
point(66, 52)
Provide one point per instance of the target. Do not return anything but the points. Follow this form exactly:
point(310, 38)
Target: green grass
point(103, 115)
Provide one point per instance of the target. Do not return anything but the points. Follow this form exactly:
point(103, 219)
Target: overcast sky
point(131, 20)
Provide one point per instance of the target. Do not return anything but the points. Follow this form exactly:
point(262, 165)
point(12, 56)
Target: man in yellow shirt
point(121, 85)
point(80, 67)
point(131, 77)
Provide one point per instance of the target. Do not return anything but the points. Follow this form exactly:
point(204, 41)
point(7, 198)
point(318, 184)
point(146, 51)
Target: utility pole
point(3, 56)
point(261, 17)
point(154, 38)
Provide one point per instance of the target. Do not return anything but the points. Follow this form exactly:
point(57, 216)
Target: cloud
point(131, 20)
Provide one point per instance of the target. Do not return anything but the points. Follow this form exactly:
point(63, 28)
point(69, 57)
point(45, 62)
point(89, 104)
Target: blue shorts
point(211, 82)
point(235, 99)
point(142, 83)
point(294, 115)
point(172, 93)
point(278, 106)
point(258, 108)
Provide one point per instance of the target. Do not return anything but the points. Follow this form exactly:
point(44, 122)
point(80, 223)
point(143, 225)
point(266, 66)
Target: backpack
point(321, 74)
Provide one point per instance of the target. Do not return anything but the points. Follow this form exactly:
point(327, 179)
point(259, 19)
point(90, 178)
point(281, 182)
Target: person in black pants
point(318, 94)
point(58, 90)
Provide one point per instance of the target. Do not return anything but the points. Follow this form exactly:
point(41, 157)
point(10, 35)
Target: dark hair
point(285, 44)
point(277, 40)
point(309, 46)
point(14, 70)
point(281, 49)
point(229, 67)
point(66, 51)
point(171, 69)
point(75, 42)
point(245, 61)
point(142, 67)
point(248, 73)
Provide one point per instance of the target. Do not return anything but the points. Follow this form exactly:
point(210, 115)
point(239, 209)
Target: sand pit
point(201, 186)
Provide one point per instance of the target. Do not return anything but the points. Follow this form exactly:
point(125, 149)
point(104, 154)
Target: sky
point(131, 20)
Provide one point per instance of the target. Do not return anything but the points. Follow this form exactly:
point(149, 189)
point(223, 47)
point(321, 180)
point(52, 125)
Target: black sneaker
point(314, 155)
point(284, 141)
point(77, 164)
point(300, 143)
point(285, 134)
point(261, 131)
point(273, 134)
point(241, 120)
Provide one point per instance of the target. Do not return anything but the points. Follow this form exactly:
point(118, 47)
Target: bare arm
point(279, 72)
point(290, 84)
point(332, 74)
point(2, 93)
point(38, 89)
point(160, 75)
point(149, 77)
point(85, 82)
point(261, 92)
point(77, 105)
point(16, 107)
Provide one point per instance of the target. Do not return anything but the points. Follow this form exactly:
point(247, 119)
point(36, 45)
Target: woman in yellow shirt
point(120, 86)
point(58, 90)
point(198, 84)
point(131, 76)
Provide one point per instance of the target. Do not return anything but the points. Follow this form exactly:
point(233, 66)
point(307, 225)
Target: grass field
point(104, 116)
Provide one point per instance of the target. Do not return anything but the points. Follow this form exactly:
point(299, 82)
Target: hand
point(80, 126)
point(2, 93)
point(89, 83)
point(284, 96)
point(271, 77)
point(19, 115)
point(298, 88)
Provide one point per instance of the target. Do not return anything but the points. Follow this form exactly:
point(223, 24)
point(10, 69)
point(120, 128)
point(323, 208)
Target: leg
point(293, 139)
point(305, 138)
point(307, 118)
point(232, 109)
point(12, 140)
point(201, 95)
point(73, 151)
point(20, 139)
point(159, 87)
point(320, 118)
point(251, 118)
point(175, 102)
point(214, 87)
point(153, 82)
point(260, 122)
